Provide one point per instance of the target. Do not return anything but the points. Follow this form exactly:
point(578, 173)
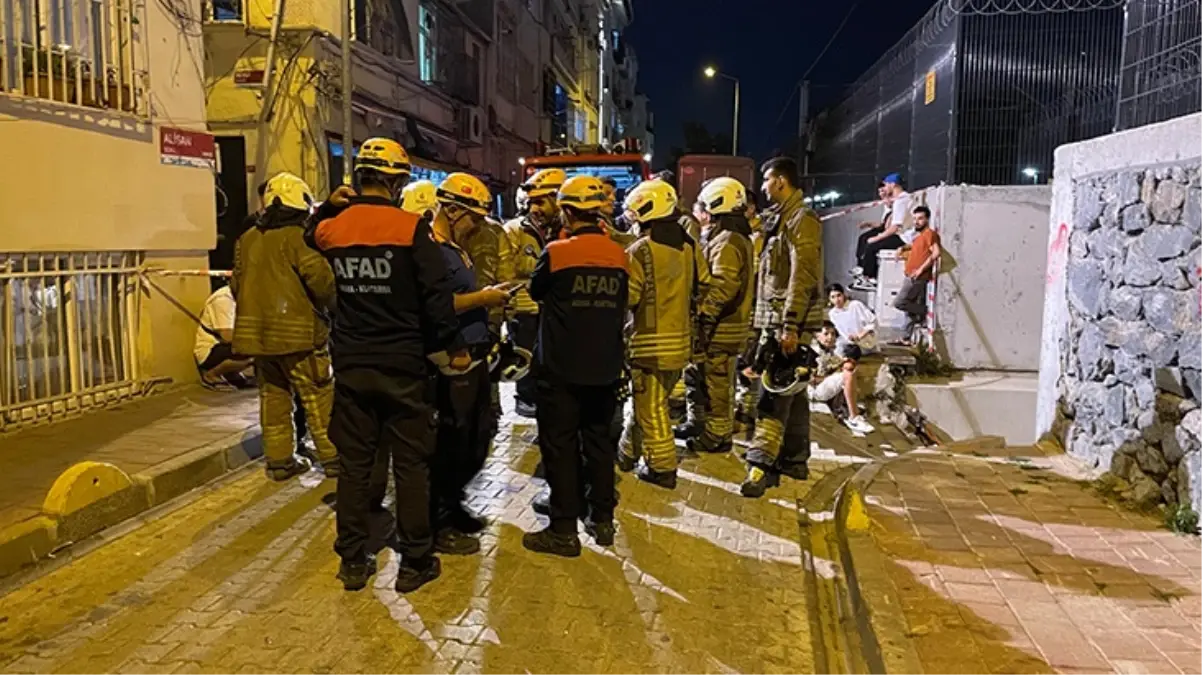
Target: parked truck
point(693, 170)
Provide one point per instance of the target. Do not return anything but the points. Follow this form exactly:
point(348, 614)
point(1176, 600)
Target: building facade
point(102, 116)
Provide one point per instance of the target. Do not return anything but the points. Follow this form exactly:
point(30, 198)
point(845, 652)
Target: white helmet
point(419, 197)
point(650, 200)
point(723, 195)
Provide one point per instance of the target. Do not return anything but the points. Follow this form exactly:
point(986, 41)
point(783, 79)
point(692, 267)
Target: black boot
point(626, 463)
point(664, 479)
point(794, 471)
point(758, 481)
point(602, 533)
point(453, 542)
point(708, 444)
point(412, 575)
point(294, 466)
point(687, 430)
point(464, 521)
point(542, 505)
point(354, 576)
point(547, 541)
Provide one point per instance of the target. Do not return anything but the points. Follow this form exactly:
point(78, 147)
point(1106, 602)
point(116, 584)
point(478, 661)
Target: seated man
point(890, 237)
point(855, 322)
point(835, 374)
point(215, 357)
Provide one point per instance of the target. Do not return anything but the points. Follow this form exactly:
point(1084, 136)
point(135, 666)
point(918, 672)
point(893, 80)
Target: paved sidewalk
point(1003, 564)
point(143, 439)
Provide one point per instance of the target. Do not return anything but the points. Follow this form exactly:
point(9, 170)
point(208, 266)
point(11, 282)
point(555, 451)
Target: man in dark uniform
point(581, 285)
point(394, 314)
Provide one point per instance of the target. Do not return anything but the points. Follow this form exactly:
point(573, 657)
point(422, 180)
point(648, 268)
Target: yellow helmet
point(384, 155)
point(419, 197)
point(545, 183)
point(723, 195)
point(651, 200)
point(464, 189)
point(585, 193)
point(288, 190)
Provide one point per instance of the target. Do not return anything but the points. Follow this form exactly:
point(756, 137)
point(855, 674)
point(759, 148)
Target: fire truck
point(625, 167)
point(694, 170)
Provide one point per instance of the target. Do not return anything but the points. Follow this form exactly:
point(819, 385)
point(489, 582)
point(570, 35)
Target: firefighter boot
point(758, 481)
point(664, 479)
point(354, 576)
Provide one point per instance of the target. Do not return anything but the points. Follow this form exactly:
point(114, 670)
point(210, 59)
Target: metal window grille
point(69, 323)
point(1161, 75)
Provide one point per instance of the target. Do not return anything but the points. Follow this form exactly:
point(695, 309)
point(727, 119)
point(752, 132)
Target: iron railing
point(82, 52)
point(69, 323)
point(1161, 75)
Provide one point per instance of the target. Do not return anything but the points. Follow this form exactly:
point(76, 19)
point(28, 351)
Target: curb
point(880, 624)
point(91, 496)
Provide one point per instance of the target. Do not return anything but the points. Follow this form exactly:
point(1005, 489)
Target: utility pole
point(348, 90)
point(735, 140)
point(803, 128)
point(269, 91)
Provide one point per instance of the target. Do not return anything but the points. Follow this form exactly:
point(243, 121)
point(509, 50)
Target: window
point(81, 52)
point(224, 10)
point(427, 31)
point(581, 124)
point(382, 25)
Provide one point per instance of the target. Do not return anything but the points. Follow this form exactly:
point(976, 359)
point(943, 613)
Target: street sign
point(181, 147)
point(248, 78)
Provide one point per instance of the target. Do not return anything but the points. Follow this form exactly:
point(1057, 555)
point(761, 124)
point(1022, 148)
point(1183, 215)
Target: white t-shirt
point(902, 205)
point(853, 319)
point(218, 314)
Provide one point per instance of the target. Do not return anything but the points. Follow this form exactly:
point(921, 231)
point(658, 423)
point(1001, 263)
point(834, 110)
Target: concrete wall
point(989, 306)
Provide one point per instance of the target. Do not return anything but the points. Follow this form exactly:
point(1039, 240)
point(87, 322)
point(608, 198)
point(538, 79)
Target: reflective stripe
point(650, 433)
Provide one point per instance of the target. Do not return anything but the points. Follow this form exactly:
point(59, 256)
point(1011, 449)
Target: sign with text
point(248, 78)
point(181, 147)
point(929, 94)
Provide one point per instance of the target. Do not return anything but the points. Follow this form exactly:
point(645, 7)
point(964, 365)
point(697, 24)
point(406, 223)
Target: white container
point(888, 284)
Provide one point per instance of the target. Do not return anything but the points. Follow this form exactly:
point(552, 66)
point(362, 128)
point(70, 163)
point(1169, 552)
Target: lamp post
point(712, 72)
point(1032, 173)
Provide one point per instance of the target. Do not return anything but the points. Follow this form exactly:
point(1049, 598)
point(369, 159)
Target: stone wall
point(1131, 357)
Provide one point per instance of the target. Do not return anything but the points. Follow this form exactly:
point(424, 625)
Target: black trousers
point(379, 412)
point(866, 253)
point(524, 329)
point(465, 430)
point(575, 438)
point(782, 432)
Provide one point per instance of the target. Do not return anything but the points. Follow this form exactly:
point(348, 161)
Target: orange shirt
point(920, 250)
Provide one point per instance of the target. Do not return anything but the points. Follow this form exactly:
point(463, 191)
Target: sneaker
point(453, 542)
point(626, 463)
point(758, 481)
point(464, 521)
point(664, 479)
point(859, 424)
point(409, 578)
point(547, 541)
point(354, 576)
point(542, 505)
point(290, 468)
point(524, 409)
point(602, 533)
point(863, 285)
point(857, 271)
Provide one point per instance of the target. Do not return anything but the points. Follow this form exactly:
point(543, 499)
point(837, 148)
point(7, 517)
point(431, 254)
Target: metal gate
point(70, 326)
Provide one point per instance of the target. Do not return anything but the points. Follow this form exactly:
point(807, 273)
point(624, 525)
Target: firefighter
point(419, 197)
point(790, 276)
point(466, 424)
point(724, 313)
point(395, 314)
point(484, 246)
point(749, 383)
point(581, 286)
point(663, 278)
point(526, 236)
point(282, 291)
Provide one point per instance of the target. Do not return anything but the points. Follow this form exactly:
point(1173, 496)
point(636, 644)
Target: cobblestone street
point(241, 579)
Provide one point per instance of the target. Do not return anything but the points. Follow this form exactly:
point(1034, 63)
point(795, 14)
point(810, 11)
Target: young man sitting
point(836, 374)
point(215, 358)
point(855, 322)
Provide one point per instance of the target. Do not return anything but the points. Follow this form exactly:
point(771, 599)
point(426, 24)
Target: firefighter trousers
point(383, 411)
point(648, 431)
point(523, 329)
point(306, 376)
point(465, 431)
point(782, 433)
point(574, 439)
point(717, 384)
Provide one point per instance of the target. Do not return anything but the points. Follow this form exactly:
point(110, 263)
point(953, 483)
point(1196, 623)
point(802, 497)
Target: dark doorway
point(231, 202)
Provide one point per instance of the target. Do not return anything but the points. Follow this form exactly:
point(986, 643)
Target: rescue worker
point(394, 315)
point(749, 384)
point(525, 238)
point(419, 197)
point(282, 290)
point(663, 277)
point(788, 286)
point(484, 247)
point(581, 286)
point(724, 313)
point(466, 424)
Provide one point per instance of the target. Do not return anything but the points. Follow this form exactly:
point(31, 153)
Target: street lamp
point(1032, 173)
point(712, 72)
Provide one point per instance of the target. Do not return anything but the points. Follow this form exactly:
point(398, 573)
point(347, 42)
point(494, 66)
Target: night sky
point(768, 45)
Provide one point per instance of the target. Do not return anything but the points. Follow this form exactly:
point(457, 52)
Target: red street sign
point(248, 78)
point(187, 148)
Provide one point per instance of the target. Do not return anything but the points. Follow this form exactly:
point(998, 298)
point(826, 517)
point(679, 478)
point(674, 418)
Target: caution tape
point(158, 271)
point(851, 209)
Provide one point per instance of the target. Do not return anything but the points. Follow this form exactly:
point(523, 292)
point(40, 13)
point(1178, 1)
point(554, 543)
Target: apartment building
point(109, 172)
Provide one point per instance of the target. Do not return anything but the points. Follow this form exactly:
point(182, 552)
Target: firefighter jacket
point(283, 289)
point(664, 283)
point(581, 284)
point(523, 244)
point(483, 245)
point(725, 309)
point(790, 269)
point(395, 301)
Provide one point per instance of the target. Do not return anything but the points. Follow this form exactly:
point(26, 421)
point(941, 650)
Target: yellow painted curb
point(82, 485)
point(858, 519)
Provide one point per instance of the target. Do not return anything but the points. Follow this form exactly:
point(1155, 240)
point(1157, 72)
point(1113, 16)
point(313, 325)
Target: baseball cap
point(892, 178)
